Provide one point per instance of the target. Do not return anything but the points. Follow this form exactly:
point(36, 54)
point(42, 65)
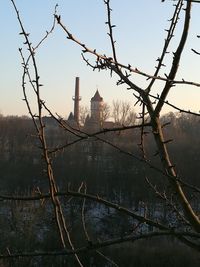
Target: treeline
point(106, 169)
point(112, 172)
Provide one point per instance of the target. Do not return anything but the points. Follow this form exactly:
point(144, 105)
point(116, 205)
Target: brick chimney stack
point(76, 99)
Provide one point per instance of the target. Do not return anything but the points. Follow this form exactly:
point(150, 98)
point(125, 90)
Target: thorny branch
point(87, 237)
point(98, 245)
point(176, 59)
point(170, 35)
point(40, 128)
point(103, 62)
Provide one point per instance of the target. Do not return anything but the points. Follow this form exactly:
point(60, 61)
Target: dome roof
point(97, 97)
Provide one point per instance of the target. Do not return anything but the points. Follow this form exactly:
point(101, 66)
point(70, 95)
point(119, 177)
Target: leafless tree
point(105, 111)
point(176, 196)
point(83, 113)
point(123, 113)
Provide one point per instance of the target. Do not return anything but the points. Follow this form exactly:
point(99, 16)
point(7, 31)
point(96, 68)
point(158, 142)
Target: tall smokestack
point(76, 99)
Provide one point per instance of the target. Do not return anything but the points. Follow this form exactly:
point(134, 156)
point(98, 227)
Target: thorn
point(109, 58)
point(195, 51)
point(156, 153)
point(58, 18)
point(167, 141)
point(172, 166)
point(70, 36)
point(165, 124)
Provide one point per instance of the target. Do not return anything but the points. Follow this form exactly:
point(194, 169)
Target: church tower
point(96, 108)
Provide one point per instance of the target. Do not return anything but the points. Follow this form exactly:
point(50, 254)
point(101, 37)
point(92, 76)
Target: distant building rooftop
point(71, 116)
point(97, 97)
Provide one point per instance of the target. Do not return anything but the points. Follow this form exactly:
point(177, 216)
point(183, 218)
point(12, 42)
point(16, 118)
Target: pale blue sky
point(139, 33)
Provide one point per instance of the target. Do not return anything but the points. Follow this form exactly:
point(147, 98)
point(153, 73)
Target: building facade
point(94, 120)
